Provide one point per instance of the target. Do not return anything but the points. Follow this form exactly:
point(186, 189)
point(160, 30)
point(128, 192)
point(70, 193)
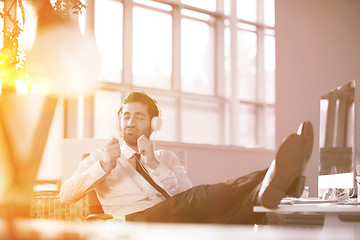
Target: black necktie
point(140, 169)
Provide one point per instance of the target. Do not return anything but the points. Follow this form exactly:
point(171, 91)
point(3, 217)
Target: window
point(106, 106)
point(201, 122)
point(152, 52)
point(109, 35)
point(247, 65)
point(210, 65)
point(246, 10)
point(197, 61)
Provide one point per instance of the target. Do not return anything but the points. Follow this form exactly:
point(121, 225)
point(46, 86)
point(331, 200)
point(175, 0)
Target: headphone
point(156, 123)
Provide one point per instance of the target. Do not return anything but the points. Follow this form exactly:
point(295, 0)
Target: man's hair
point(143, 98)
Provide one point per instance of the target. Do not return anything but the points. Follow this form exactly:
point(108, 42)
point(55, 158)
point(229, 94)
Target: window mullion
point(176, 68)
point(233, 76)
point(219, 75)
point(127, 47)
point(176, 56)
point(90, 17)
point(261, 90)
point(260, 79)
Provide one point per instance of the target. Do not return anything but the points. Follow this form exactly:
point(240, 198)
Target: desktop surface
point(336, 215)
point(50, 229)
point(305, 205)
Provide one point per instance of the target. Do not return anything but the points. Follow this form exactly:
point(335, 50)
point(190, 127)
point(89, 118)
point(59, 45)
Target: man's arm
point(90, 172)
point(171, 173)
point(83, 180)
point(165, 168)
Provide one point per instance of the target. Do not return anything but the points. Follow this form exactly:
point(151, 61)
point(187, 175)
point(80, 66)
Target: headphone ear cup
point(156, 123)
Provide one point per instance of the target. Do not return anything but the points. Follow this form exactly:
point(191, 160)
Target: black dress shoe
point(307, 132)
point(285, 173)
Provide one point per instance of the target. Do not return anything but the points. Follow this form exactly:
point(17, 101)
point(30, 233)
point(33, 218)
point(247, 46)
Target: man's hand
point(112, 152)
point(147, 152)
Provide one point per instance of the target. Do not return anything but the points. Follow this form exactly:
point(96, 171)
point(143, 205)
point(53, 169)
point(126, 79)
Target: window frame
point(227, 134)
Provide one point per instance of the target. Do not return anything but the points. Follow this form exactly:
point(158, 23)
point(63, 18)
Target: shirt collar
point(127, 151)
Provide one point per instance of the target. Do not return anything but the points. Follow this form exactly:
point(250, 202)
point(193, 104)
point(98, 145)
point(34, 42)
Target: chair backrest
point(93, 201)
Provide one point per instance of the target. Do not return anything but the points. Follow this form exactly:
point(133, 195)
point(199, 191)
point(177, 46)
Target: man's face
point(134, 122)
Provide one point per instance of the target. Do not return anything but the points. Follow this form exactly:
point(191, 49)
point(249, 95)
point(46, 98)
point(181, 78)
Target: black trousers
point(230, 202)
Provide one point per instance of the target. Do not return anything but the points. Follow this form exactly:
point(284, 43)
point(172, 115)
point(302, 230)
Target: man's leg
point(208, 203)
point(232, 202)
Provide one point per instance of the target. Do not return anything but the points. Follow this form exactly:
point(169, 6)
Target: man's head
point(135, 114)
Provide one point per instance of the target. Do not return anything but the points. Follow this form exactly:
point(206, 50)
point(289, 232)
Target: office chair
point(95, 209)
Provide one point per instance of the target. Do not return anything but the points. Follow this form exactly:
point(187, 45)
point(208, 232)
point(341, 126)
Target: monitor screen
point(337, 139)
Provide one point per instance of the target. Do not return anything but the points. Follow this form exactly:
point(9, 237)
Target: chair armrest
point(98, 217)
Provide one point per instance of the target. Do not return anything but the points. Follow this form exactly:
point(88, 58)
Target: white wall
point(207, 164)
point(317, 49)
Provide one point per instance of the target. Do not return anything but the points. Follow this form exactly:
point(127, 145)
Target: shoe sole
point(305, 130)
point(297, 187)
point(289, 168)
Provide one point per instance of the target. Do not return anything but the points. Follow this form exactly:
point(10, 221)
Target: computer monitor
point(339, 143)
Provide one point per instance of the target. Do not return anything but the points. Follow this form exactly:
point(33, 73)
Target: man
point(115, 173)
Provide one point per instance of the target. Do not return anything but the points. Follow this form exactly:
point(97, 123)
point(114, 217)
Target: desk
point(336, 215)
point(58, 230)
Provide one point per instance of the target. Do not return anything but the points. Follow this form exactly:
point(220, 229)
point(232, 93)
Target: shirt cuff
point(162, 172)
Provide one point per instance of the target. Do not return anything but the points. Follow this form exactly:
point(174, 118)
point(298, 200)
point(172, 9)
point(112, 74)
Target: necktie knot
point(138, 167)
point(137, 156)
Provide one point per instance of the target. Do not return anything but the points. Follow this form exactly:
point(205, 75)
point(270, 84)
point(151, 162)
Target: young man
point(116, 172)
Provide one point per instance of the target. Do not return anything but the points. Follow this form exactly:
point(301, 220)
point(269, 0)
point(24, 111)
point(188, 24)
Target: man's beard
point(131, 137)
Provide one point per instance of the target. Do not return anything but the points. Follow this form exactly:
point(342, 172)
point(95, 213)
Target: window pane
point(106, 106)
point(246, 62)
point(167, 108)
point(270, 127)
point(197, 65)
point(152, 48)
point(203, 4)
point(270, 69)
point(269, 12)
point(247, 125)
point(227, 7)
point(109, 38)
point(200, 122)
point(246, 10)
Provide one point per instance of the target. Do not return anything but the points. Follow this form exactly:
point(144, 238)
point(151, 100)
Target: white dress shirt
point(124, 190)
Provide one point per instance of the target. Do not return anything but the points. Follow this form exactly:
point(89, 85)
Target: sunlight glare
point(21, 86)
